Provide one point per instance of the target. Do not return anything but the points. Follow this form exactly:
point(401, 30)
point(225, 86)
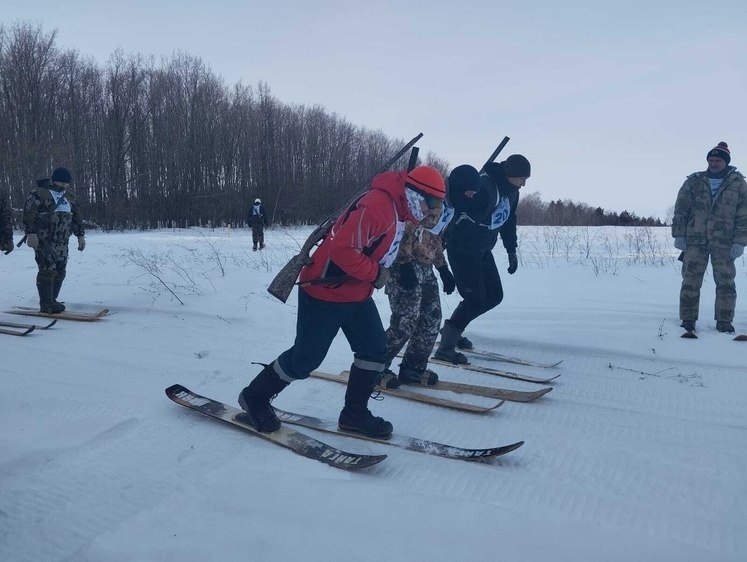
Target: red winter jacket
point(360, 237)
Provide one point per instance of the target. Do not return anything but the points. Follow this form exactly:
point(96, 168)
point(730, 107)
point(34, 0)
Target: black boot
point(446, 348)
point(46, 300)
point(724, 327)
point(424, 377)
point(464, 343)
point(56, 286)
point(355, 416)
point(255, 399)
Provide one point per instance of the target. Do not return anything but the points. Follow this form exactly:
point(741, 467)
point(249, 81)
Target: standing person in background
point(335, 293)
point(710, 220)
point(414, 299)
point(50, 217)
point(6, 223)
point(258, 220)
point(485, 205)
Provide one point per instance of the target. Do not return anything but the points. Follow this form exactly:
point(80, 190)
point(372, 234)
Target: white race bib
point(64, 206)
point(391, 255)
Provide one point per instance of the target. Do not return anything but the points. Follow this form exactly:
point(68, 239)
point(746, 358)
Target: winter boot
point(46, 300)
point(464, 343)
point(688, 325)
point(255, 399)
point(262, 246)
point(355, 416)
point(424, 377)
point(724, 327)
point(387, 379)
point(254, 248)
point(56, 286)
point(446, 352)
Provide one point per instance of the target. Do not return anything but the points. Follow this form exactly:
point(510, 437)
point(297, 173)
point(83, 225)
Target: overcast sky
point(614, 105)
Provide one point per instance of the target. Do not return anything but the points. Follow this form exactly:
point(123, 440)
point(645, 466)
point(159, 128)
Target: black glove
point(513, 264)
point(408, 280)
point(447, 278)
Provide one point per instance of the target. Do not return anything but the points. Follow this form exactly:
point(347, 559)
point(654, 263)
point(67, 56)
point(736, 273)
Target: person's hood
point(393, 183)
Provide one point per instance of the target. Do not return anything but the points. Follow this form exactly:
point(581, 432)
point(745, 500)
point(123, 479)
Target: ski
point(486, 391)
point(497, 372)
point(343, 378)
point(508, 359)
point(296, 441)
point(741, 337)
point(16, 332)
point(26, 326)
point(65, 315)
point(689, 336)
point(402, 441)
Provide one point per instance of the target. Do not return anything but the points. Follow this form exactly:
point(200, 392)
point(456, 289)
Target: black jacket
point(467, 232)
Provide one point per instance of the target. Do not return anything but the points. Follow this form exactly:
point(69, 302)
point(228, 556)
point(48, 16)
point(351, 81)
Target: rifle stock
point(282, 285)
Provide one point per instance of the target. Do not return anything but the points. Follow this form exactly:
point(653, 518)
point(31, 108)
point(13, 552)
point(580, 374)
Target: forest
point(168, 143)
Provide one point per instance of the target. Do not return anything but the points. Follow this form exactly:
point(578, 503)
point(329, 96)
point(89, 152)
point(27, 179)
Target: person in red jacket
point(335, 294)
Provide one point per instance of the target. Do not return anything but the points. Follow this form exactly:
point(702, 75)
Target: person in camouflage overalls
point(6, 223)
point(710, 220)
point(416, 307)
point(50, 216)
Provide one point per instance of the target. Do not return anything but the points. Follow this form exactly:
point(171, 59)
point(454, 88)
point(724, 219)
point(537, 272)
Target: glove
point(381, 278)
point(407, 277)
point(736, 250)
point(7, 246)
point(32, 240)
point(513, 264)
point(81, 243)
point(680, 242)
point(447, 278)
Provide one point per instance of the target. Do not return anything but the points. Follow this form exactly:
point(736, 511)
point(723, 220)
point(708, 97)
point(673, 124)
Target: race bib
point(64, 206)
point(446, 217)
point(388, 259)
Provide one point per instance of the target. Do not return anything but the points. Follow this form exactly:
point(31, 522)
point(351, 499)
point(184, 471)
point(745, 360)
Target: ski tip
point(175, 389)
point(741, 337)
point(689, 336)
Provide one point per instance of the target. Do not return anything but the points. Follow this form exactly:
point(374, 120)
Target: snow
point(637, 454)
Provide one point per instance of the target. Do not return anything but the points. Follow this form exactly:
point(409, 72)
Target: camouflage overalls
point(710, 225)
point(54, 220)
point(6, 222)
point(416, 313)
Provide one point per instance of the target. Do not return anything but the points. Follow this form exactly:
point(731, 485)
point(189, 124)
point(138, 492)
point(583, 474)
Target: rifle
point(495, 154)
point(282, 285)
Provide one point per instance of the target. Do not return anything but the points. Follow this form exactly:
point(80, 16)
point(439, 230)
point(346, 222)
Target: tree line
point(170, 144)
point(533, 210)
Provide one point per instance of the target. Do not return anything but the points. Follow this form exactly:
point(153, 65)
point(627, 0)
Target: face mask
point(414, 200)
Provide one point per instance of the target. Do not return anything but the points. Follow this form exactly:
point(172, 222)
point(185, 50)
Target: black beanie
point(516, 166)
point(720, 151)
point(62, 175)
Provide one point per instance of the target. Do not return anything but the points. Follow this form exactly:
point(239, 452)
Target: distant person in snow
point(710, 220)
point(415, 303)
point(335, 293)
point(6, 223)
point(50, 217)
point(485, 206)
point(258, 220)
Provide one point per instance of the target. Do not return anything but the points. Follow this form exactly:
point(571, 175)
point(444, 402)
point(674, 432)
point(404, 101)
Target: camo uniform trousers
point(724, 272)
point(416, 317)
point(52, 260)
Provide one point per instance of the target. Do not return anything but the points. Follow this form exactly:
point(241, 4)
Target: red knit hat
point(720, 151)
point(428, 181)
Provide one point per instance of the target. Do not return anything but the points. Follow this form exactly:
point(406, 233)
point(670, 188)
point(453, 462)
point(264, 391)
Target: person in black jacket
point(258, 220)
point(485, 205)
point(6, 223)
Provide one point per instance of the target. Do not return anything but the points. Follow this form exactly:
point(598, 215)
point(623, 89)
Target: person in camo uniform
point(416, 306)
point(50, 216)
point(6, 223)
point(710, 220)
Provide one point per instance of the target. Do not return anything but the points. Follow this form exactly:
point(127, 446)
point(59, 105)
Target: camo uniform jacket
point(717, 221)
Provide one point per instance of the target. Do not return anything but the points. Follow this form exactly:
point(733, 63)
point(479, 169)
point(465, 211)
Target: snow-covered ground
point(639, 453)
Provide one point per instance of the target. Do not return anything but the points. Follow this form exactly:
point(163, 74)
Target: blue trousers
point(317, 325)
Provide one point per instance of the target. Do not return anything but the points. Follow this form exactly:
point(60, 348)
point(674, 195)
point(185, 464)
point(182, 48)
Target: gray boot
point(56, 286)
point(446, 348)
point(46, 300)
